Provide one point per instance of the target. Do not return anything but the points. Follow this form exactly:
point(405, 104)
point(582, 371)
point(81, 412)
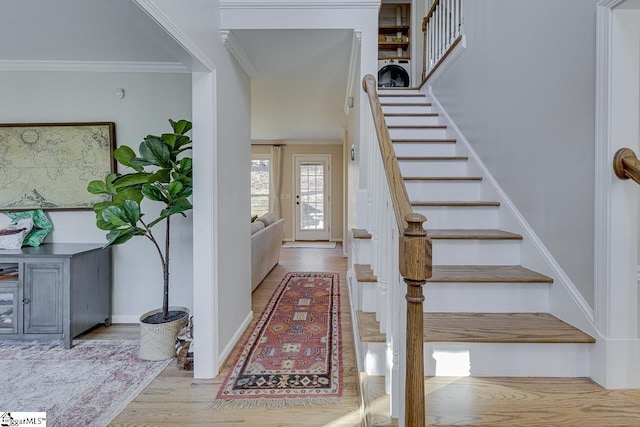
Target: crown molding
point(231, 43)
point(174, 31)
point(248, 4)
point(95, 66)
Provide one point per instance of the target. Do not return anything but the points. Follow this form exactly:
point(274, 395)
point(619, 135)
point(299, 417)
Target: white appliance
point(394, 73)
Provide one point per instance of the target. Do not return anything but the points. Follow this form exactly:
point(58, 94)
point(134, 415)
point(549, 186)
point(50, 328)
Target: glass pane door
point(312, 198)
point(8, 310)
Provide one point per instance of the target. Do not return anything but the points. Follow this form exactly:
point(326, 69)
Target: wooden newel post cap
point(415, 250)
point(415, 221)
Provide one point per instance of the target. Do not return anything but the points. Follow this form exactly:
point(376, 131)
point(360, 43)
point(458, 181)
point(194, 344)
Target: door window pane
point(312, 196)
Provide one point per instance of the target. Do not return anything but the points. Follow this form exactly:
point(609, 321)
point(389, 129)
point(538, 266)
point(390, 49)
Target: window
point(260, 185)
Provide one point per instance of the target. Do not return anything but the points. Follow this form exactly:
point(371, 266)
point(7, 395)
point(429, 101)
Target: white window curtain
point(276, 179)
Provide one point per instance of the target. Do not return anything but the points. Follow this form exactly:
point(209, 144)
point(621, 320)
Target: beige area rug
point(87, 385)
point(316, 245)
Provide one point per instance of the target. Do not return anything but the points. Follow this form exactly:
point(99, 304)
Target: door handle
point(26, 300)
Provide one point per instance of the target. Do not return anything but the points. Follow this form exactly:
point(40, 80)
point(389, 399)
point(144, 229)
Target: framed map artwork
point(49, 165)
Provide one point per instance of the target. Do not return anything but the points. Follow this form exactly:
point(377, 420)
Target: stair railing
point(442, 28)
point(395, 221)
point(626, 165)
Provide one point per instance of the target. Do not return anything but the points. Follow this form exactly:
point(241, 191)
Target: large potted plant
point(160, 173)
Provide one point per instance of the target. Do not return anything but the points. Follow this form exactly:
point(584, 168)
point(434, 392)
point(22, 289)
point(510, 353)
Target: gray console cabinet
point(62, 289)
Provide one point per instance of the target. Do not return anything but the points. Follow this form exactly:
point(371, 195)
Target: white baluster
point(454, 16)
point(461, 13)
point(447, 16)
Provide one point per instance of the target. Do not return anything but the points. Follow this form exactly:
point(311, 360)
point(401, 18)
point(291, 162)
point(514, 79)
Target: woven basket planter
point(158, 340)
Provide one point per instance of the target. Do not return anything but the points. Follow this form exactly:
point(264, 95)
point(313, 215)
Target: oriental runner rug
point(293, 355)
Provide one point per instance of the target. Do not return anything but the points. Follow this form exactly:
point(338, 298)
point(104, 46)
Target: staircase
point(487, 310)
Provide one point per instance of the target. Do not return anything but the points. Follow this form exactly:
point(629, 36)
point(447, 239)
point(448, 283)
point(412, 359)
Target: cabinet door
point(42, 300)
point(8, 310)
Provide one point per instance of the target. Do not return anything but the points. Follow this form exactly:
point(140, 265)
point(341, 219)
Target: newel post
point(415, 268)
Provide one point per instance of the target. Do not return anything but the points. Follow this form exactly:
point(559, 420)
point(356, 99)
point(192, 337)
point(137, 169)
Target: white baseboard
point(236, 337)
point(120, 319)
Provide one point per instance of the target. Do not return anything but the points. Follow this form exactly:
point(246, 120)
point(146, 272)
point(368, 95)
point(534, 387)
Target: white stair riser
point(417, 133)
point(411, 120)
point(406, 109)
point(363, 250)
point(508, 360)
point(491, 359)
point(476, 252)
point(383, 91)
point(426, 149)
point(367, 296)
point(443, 190)
point(373, 355)
point(459, 217)
point(433, 167)
point(403, 99)
point(487, 297)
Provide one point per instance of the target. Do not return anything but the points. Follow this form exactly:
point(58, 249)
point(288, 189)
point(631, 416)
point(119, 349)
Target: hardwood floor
point(174, 398)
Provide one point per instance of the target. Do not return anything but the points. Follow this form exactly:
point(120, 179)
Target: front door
point(312, 199)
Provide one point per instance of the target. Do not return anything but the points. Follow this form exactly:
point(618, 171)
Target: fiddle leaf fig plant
point(158, 176)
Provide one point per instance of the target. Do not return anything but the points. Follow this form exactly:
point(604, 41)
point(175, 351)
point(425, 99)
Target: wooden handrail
point(427, 18)
point(399, 196)
point(414, 261)
point(626, 165)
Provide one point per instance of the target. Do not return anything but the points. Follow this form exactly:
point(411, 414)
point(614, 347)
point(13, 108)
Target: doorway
point(312, 197)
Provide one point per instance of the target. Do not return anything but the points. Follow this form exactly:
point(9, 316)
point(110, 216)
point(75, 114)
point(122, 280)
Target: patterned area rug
point(293, 356)
point(87, 385)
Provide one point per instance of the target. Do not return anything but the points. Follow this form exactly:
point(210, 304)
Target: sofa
point(266, 239)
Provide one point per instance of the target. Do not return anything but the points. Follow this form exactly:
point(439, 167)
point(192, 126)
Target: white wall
point(151, 99)
point(523, 93)
point(223, 307)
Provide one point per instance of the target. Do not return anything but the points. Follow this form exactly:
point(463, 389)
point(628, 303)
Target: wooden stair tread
point(431, 158)
point(506, 328)
point(411, 114)
point(364, 273)
point(475, 234)
point(424, 141)
point(405, 104)
point(405, 95)
point(360, 233)
point(442, 178)
point(369, 327)
point(487, 274)
point(501, 328)
point(455, 203)
point(417, 126)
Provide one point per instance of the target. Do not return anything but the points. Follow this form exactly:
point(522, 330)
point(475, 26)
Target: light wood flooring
point(174, 398)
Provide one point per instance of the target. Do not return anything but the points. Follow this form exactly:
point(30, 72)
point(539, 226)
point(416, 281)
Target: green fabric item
point(41, 225)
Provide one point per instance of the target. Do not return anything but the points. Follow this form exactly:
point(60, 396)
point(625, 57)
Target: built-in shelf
point(393, 57)
point(389, 29)
point(393, 45)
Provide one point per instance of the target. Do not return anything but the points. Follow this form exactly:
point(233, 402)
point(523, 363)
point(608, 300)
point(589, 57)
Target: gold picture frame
point(49, 165)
